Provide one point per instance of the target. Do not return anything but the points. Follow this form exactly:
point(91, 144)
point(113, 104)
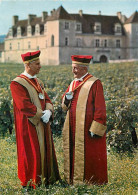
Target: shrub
point(6, 118)
point(121, 123)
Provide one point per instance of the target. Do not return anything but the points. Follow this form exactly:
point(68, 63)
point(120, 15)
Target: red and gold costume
point(35, 149)
point(85, 157)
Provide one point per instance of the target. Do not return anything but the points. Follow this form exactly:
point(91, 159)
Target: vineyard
point(119, 82)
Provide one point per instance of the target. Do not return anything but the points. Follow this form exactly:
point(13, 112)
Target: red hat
point(30, 56)
point(82, 60)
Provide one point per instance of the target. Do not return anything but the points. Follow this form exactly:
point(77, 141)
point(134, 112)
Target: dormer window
point(78, 27)
point(118, 29)
point(29, 31)
point(37, 29)
point(18, 31)
point(97, 28)
point(66, 25)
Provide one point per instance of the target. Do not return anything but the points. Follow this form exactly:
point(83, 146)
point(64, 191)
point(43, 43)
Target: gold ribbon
point(31, 60)
point(38, 87)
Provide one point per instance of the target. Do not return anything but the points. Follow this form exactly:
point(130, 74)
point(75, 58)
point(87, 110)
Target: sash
point(79, 135)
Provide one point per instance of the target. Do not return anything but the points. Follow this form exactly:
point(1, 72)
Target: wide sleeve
point(98, 125)
point(22, 101)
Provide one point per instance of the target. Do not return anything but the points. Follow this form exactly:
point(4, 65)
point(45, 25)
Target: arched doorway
point(103, 59)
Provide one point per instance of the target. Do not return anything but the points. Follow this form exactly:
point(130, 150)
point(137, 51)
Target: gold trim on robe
point(97, 128)
point(79, 135)
point(38, 124)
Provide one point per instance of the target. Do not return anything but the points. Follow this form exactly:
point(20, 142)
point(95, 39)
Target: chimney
point(80, 12)
point(14, 20)
point(119, 15)
point(44, 15)
point(123, 19)
point(99, 12)
point(30, 18)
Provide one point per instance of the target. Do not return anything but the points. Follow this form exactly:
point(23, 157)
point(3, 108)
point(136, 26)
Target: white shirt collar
point(28, 75)
point(80, 79)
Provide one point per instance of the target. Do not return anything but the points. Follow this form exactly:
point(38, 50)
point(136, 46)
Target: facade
point(60, 35)
point(1, 52)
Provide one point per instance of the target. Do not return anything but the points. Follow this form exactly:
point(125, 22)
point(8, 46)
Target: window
point(29, 45)
point(37, 29)
point(37, 47)
point(52, 40)
point(10, 47)
point(105, 43)
point(118, 29)
point(97, 43)
point(66, 25)
point(19, 31)
point(66, 41)
point(118, 43)
point(78, 27)
point(97, 27)
point(78, 42)
point(29, 30)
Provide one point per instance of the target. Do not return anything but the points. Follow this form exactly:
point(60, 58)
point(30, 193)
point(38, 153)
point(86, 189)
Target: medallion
point(40, 95)
point(69, 95)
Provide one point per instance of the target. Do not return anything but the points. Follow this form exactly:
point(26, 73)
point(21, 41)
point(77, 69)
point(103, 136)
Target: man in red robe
point(84, 139)
point(32, 111)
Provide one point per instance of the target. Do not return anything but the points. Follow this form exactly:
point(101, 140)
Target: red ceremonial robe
point(28, 145)
point(95, 156)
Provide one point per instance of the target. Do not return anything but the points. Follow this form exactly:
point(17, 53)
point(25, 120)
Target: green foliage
point(6, 120)
point(122, 122)
point(119, 82)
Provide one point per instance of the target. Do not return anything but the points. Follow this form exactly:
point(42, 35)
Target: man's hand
point(94, 135)
point(68, 98)
point(46, 116)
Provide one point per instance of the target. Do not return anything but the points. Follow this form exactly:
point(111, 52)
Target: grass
point(121, 172)
point(119, 81)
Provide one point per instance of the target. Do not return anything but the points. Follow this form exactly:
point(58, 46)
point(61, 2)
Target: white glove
point(92, 134)
point(46, 116)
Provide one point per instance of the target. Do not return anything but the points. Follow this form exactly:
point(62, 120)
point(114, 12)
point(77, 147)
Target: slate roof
point(87, 20)
point(59, 14)
point(133, 18)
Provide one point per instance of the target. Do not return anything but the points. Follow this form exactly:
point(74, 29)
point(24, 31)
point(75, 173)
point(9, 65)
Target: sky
point(22, 8)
